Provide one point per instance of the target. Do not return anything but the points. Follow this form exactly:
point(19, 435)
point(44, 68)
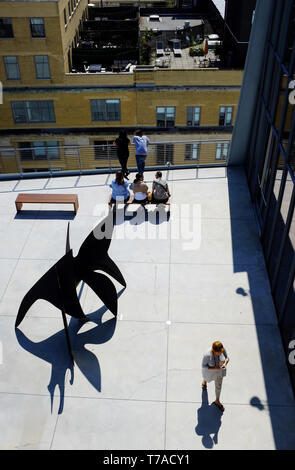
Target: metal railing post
point(79, 160)
point(18, 161)
point(109, 159)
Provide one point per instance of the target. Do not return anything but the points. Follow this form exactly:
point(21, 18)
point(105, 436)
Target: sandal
point(221, 407)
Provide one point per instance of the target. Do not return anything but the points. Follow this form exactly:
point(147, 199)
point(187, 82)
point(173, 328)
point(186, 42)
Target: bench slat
point(53, 198)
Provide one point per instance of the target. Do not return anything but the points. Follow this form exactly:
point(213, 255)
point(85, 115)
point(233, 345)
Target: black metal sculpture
point(58, 285)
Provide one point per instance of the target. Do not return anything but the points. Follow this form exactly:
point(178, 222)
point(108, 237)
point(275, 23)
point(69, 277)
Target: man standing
point(141, 142)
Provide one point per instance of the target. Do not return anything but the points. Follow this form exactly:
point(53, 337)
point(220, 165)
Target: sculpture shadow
point(54, 351)
point(209, 422)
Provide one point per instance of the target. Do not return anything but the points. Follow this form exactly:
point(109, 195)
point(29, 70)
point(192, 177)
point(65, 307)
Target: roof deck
point(191, 279)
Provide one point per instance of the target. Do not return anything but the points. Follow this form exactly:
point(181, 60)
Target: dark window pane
point(25, 151)
point(42, 66)
point(164, 153)
point(37, 27)
point(189, 116)
point(33, 111)
point(192, 152)
point(11, 67)
point(6, 30)
point(46, 111)
point(97, 110)
point(42, 150)
point(19, 112)
point(105, 110)
point(113, 110)
point(222, 116)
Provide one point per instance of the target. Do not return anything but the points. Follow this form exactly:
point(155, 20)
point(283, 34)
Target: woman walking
point(214, 368)
point(122, 142)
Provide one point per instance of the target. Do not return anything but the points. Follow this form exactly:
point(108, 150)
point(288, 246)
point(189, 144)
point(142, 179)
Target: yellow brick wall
point(138, 108)
point(210, 101)
point(56, 43)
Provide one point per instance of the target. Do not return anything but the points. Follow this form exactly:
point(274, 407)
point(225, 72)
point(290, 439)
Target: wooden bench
point(46, 198)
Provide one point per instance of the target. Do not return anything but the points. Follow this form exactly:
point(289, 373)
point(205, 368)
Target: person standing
point(214, 368)
point(122, 143)
point(141, 142)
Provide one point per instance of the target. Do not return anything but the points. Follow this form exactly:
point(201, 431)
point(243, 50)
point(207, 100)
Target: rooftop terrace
point(136, 383)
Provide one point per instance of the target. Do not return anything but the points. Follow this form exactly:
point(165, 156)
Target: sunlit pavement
point(136, 383)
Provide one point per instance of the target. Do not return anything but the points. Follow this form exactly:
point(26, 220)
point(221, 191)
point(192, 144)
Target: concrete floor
point(136, 383)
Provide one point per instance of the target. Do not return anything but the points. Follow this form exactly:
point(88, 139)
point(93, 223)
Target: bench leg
point(18, 205)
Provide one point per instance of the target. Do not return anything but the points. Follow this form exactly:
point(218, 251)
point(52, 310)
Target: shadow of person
point(256, 402)
point(54, 351)
point(209, 422)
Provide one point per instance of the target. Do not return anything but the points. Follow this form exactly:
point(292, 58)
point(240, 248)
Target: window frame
point(26, 113)
point(36, 70)
point(6, 67)
point(105, 111)
point(11, 25)
point(189, 149)
point(31, 24)
point(222, 146)
point(165, 153)
point(226, 108)
point(165, 113)
point(193, 123)
point(65, 18)
point(32, 150)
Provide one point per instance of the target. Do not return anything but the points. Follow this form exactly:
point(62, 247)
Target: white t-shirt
point(140, 144)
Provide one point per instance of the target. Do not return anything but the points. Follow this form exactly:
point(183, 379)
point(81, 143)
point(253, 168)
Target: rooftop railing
point(36, 160)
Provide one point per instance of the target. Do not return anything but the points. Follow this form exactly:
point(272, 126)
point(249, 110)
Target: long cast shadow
point(209, 422)
point(54, 351)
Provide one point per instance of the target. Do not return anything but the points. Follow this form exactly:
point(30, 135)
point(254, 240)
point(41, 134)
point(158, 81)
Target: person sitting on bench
point(140, 189)
point(120, 192)
point(161, 191)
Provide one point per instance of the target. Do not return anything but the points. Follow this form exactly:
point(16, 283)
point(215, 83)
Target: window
point(165, 153)
point(105, 110)
point(39, 150)
point(33, 111)
point(65, 17)
point(192, 152)
point(42, 66)
point(193, 116)
point(37, 27)
point(11, 67)
point(222, 151)
point(225, 115)
point(6, 30)
point(103, 150)
point(166, 117)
